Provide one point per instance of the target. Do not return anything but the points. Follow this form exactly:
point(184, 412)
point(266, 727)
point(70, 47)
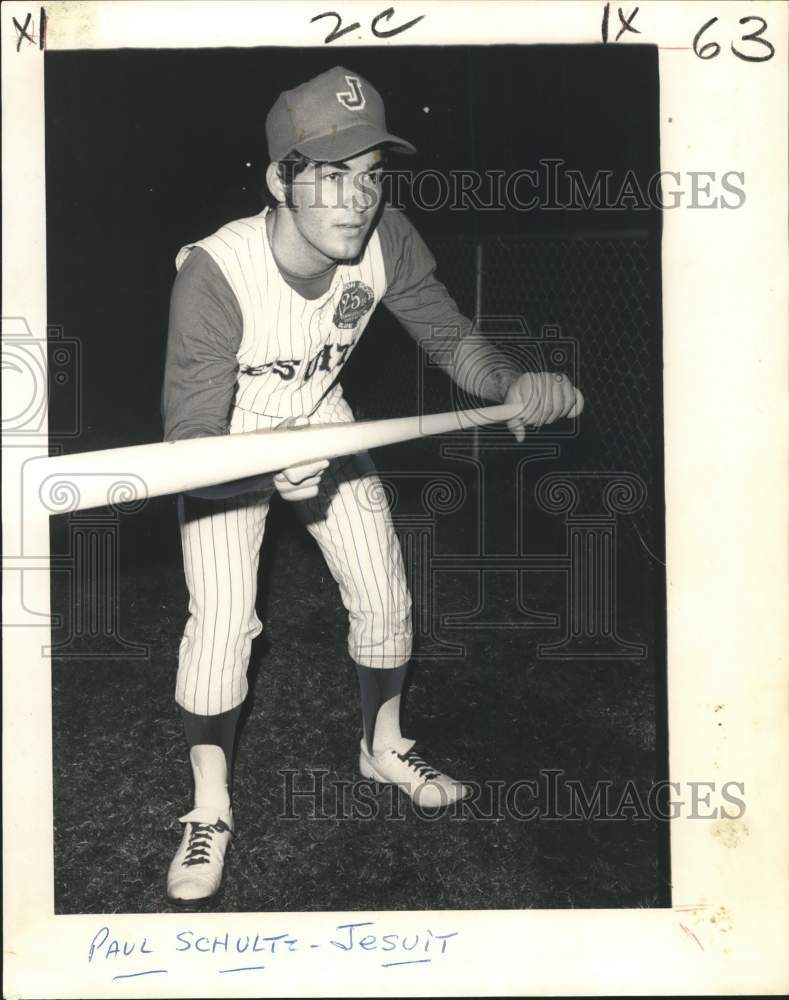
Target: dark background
point(147, 150)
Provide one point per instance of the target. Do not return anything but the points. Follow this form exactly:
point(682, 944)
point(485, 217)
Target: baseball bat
point(67, 483)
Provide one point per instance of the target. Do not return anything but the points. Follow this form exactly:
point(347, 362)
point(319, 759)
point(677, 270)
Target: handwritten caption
point(230, 952)
point(26, 32)
point(340, 29)
point(760, 49)
point(747, 45)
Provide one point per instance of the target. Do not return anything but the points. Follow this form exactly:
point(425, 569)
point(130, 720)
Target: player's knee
point(233, 621)
point(207, 653)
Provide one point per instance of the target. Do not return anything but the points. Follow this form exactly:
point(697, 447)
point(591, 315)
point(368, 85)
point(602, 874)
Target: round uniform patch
point(355, 301)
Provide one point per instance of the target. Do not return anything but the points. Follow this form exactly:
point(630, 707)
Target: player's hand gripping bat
point(543, 397)
point(299, 482)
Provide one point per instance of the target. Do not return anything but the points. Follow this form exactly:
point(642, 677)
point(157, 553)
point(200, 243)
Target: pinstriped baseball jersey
point(207, 329)
point(292, 349)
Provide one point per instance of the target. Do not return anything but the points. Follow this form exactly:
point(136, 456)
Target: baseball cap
point(332, 117)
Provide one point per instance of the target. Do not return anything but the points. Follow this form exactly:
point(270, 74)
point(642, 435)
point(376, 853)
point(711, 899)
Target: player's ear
point(274, 183)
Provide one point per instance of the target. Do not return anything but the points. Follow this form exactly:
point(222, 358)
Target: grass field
point(498, 713)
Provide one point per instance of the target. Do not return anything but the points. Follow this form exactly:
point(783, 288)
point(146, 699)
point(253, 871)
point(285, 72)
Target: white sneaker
point(196, 870)
point(399, 764)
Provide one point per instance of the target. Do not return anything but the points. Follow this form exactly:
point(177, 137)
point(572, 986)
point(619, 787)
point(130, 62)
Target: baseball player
point(264, 314)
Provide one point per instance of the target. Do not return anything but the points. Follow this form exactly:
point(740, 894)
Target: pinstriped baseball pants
point(221, 540)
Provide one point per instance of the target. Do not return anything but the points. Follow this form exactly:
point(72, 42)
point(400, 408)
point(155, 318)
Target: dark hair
point(288, 169)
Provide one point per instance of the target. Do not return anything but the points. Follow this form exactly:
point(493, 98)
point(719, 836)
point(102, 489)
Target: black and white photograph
point(358, 474)
point(511, 578)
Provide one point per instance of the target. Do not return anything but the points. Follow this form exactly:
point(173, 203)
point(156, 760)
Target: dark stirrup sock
point(377, 685)
point(217, 729)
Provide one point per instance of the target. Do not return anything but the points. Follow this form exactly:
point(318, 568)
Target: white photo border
point(725, 363)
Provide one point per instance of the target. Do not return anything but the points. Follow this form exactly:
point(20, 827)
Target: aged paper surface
point(724, 321)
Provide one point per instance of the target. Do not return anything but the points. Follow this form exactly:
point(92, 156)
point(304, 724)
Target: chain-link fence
point(597, 290)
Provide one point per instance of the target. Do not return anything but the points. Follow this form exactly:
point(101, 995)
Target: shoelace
point(198, 850)
point(412, 759)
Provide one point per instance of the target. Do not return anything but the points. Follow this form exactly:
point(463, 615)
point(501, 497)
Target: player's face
point(336, 205)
